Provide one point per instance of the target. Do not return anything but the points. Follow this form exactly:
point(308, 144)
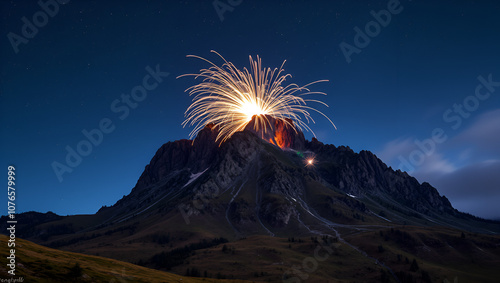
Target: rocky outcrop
point(234, 157)
point(196, 155)
point(282, 133)
point(202, 153)
point(364, 174)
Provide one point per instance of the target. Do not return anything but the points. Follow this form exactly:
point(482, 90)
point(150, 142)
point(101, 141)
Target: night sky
point(421, 89)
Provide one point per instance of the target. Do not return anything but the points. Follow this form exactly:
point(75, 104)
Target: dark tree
point(75, 272)
point(414, 266)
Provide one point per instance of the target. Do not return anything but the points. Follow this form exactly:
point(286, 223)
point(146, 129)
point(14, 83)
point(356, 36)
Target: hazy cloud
point(465, 168)
point(483, 134)
point(474, 188)
point(434, 163)
point(391, 151)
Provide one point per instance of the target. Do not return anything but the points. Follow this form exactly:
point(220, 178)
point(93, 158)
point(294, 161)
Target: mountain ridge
point(360, 175)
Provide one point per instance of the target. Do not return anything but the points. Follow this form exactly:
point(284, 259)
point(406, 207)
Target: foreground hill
point(409, 253)
point(37, 263)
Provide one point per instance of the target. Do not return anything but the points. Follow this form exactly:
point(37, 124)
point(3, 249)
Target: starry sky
point(415, 82)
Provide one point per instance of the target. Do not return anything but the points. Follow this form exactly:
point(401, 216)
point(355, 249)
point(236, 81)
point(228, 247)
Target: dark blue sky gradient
point(396, 90)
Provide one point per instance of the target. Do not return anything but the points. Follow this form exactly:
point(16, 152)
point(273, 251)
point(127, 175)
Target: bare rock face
point(201, 153)
point(195, 155)
point(233, 159)
point(363, 174)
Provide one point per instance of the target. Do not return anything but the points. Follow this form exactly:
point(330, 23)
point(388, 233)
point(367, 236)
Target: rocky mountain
point(262, 182)
point(269, 162)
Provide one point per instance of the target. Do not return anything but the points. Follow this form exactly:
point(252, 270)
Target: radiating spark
point(228, 98)
point(309, 159)
point(309, 162)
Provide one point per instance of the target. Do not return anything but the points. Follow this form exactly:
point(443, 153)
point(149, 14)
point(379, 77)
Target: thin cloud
point(465, 168)
point(396, 149)
point(474, 188)
point(483, 134)
point(393, 149)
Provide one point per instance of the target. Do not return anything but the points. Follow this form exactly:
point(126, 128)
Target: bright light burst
point(309, 159)
point(229, 98)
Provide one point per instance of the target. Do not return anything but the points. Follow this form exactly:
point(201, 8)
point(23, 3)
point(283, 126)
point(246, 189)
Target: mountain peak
point(280, 132)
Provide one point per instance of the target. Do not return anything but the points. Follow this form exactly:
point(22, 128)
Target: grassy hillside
point(440, 253)
point(41, 264)
point(272, 259)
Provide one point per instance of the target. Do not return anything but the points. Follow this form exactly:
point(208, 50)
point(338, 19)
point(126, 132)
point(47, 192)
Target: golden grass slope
point(37, 263)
